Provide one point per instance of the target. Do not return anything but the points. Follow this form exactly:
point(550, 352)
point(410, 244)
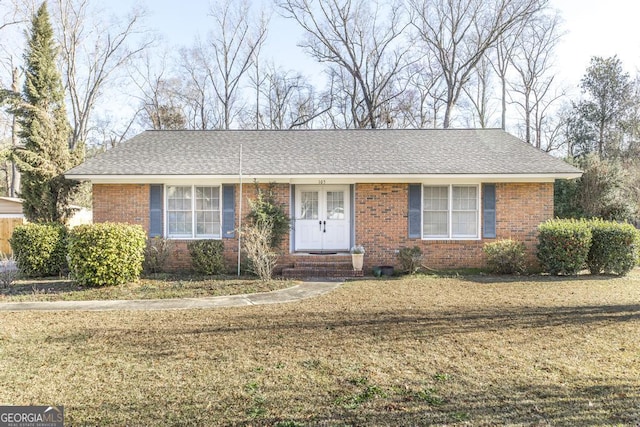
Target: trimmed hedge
point(505, 256)
point(563, 245)
point(207, 256)
point(40, 249)
point(614, 247)
point(106, 254)
point(567, 246)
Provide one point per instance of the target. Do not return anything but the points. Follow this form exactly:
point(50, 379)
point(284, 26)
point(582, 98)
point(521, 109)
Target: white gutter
point(341, 178)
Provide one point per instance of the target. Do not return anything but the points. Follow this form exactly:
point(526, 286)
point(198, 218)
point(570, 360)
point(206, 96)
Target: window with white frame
point(450, 211)
point(193, 212)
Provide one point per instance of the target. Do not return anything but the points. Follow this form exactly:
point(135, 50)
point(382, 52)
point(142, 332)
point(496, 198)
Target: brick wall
point(381, 221)
point(130, 203)
point(520, 208)
point(382, 224)
point(121, 203)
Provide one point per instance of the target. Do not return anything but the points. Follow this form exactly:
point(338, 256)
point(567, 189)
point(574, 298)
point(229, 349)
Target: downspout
point(240, 210)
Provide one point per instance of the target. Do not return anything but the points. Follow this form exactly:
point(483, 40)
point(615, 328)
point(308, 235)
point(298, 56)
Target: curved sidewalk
point(295, 293)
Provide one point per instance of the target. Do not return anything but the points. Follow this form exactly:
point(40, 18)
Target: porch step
point(334, 266)
point(308, 272)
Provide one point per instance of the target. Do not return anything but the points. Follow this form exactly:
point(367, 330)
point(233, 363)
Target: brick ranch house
point(447, 191)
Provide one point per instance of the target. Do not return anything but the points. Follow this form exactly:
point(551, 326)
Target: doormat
point(323, 253)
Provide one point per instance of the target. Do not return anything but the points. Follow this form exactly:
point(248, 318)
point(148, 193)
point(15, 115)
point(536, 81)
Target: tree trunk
point(14, 188)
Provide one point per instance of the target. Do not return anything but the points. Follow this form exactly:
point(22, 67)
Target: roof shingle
point(323, 152)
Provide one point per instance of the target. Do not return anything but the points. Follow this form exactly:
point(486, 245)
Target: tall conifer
point(44, 130)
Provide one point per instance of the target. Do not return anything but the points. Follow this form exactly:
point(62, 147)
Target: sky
point(593, 28)
point(597, 28)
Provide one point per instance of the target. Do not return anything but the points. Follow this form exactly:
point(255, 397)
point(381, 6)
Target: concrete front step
point(307, 272)
point(338, 265)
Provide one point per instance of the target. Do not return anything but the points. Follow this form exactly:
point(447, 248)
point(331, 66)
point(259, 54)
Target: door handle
point(325, 226)
point(320, 222)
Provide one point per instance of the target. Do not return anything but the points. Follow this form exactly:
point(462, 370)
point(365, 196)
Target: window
point(450, 212)
point(193, 212)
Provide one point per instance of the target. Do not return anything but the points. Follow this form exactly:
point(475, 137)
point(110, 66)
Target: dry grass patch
point(415, 351)
point(152, 287)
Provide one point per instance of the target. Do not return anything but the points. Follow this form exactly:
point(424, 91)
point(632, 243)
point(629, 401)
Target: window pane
point(179, 211)
point(436, 198)
point(435, 224)
point(464, 224)
point(465, 198)
point(206, 224)
point(309, 205)
point(179, 223)
point(435, 216)
point(464, 216)
point(335, 204)
point(207, 211)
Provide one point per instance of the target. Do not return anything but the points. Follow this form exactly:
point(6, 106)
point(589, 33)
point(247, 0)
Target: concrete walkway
point(294, 293)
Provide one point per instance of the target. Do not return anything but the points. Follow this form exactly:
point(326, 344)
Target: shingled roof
point(323, 152)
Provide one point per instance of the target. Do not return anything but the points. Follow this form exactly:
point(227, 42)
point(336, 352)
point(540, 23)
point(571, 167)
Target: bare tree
point(460, 32)
point(533, 60)
point(479, 94)
point(233, 43)
point(421, 103)
point(12, 16)
point(10, 12)
point(286, 100)
point(160, 99)
point(93, 50)
point(501, 63)
point(364, 47)
point(200, 106)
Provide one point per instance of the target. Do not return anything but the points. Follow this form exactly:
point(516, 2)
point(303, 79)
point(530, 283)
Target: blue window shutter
point(415, 207)
point(155, 210)
point(228, 211)
point(489, 211)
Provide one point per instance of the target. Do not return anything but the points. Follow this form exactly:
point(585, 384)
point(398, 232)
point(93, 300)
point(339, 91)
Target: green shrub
point(156, 254)
point(505, 256)
point(106, 254)
point(266, 210)
point(40, 250)
point(207, 256)
point(614, 247)
point(410, 259)
point(563, 245)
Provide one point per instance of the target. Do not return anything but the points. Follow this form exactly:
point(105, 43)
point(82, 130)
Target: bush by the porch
point(614, 247)
point(40, 249)
point(106, 254)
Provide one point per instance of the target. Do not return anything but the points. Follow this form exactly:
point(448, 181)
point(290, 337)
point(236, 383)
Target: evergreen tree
point(598, 121)
point(44, 130)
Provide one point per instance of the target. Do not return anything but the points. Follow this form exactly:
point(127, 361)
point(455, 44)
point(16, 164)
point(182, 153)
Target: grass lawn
point(472, 350)
point(151, 287)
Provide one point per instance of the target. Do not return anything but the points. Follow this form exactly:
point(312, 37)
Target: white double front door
point(322, 218)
